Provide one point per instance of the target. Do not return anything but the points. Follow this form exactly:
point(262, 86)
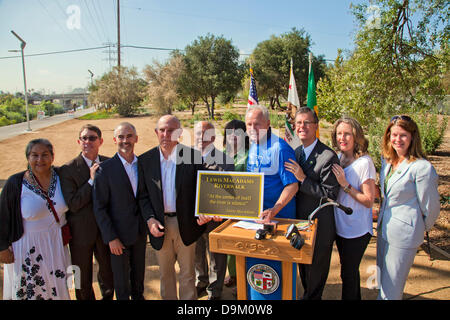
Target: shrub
point(431, 131)
point(4, 121)
point(228, 116)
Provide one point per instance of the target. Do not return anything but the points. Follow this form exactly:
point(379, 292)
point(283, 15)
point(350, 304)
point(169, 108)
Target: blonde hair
point(415, 148)
point(361, 142)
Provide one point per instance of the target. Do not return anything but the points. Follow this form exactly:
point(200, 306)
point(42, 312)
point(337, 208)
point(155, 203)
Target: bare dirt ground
point(428, 279)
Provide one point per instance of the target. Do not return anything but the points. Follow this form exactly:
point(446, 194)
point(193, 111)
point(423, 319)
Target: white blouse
point(360, 222)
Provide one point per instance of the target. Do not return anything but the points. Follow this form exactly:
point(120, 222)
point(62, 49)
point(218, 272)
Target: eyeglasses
point(305, 123)
point(401, 117)
point(90, 138)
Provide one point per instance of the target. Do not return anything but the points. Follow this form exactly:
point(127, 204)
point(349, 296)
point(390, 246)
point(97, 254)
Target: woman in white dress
point(31, 245)
point(356, 176)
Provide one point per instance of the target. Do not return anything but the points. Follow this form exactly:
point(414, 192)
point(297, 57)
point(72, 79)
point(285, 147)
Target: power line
point(99, 14)
point(93, 22)
point(56, 21)
point(109, 45)
point(55, 52)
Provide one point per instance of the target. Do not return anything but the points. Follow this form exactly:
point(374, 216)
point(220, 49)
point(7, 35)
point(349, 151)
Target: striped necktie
point(302, 158)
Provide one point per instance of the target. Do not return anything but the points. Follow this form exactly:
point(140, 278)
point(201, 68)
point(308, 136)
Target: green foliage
point(162, 90)
point(431, 131)
point(375, 132)
point(120, 88)
point(277, 120)
point(211, 68)
point(4, 121)
point(397, 65)
point(228, 116)
point(271, 64)
point(51, 108)
point(100, 114)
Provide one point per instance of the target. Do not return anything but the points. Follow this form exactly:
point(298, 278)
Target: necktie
point(302, 158)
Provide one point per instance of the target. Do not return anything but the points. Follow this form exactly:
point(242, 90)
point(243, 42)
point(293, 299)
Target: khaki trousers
point(174, 250)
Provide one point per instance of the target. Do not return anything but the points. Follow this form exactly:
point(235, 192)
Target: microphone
point(347, 210)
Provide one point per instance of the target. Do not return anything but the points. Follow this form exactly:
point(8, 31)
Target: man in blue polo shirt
point(267, 154)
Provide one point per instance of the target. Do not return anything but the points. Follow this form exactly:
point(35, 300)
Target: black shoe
point(213, 298)
point(108, 295)
point(201, 291)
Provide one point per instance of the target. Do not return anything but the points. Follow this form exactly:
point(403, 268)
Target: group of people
point(111, 205)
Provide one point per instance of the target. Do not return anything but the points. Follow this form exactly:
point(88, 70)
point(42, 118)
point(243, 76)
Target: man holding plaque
point(267, 154)
point(167, 186)
point(215, 160)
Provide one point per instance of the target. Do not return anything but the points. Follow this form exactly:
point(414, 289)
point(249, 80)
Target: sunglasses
point(395, 118)
point(90, 138)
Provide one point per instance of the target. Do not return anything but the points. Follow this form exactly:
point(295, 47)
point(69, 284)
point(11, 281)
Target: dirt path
point(427, 279)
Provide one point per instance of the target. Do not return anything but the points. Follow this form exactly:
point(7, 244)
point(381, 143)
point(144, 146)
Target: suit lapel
point(399, 172)
point(179, 168)
point(155, 167)
point(122, 175)
point(82, 168)
point(385, 169)
point(312, 159)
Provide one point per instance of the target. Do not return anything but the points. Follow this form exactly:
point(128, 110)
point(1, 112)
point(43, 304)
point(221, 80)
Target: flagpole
point(310, 62)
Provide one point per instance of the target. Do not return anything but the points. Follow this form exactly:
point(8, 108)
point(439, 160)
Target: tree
point(401, 54)
point(162, 90)
point(211, 68)
point(271, 64)
point(120, 88)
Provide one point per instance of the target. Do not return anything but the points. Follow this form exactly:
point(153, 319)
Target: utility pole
point(22, 46)
point(118, 33)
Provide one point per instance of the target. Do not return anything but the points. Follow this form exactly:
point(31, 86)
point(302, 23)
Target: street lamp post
point(22, 46)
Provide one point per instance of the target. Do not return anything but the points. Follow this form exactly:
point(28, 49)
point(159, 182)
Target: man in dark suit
point(313, 170)
point(118, 216)
point(77, 178)
point(167, 187)
point(214, 160)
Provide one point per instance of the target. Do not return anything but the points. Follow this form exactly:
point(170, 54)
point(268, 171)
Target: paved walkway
point(13, 130)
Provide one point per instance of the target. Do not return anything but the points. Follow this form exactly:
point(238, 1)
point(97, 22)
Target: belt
point(170, 214)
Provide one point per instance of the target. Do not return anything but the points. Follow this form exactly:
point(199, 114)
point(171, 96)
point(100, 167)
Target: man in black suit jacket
point(214, 160)
point(313, 170)
point(77, 178)
point(167, 187)
point(118, 216)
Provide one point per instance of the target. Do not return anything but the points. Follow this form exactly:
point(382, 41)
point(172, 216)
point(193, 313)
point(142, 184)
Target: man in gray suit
point(215, 160)
point(77, 179)
point(316, 181)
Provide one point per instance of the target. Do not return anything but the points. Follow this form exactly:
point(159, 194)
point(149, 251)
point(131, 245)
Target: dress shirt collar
point(172, 157)
point(89, 161)
point(309, 149)
point(125, 162)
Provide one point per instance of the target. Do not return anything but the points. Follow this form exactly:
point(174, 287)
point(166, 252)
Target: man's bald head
point(204, 135)
point(168, 129)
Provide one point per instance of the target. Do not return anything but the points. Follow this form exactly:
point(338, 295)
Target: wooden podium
point(242, 243)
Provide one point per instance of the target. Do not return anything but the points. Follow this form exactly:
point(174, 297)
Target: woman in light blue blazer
point(410, 204)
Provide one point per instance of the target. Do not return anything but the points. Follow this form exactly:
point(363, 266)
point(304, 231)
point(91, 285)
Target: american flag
point(252, 95)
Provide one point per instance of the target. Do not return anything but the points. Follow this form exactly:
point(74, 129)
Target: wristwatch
point(347, 188)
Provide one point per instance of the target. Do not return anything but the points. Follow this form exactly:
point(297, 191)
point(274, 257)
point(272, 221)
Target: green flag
point(311, 101)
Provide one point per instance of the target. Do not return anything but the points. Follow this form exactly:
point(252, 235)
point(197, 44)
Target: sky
point(60, 25)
